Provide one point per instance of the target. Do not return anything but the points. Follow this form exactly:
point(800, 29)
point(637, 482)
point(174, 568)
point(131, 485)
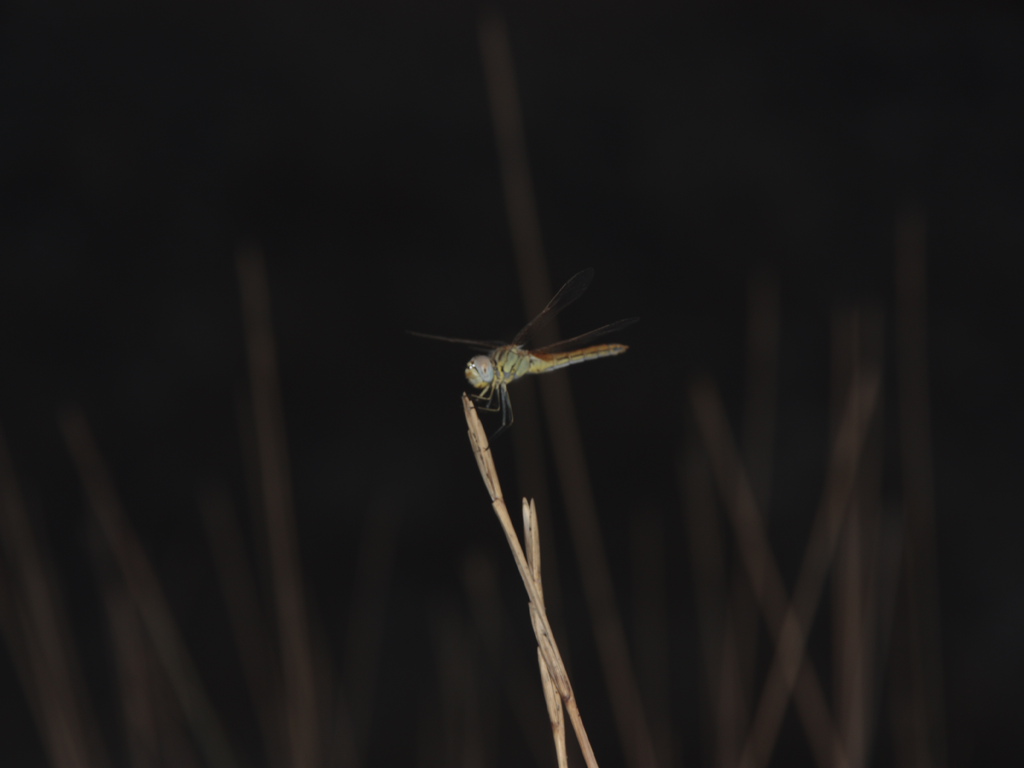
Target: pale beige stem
point(531, 535)
point(548, 648)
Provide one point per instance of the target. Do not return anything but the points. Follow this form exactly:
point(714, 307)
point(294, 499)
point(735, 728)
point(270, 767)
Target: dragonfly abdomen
point(541, 362)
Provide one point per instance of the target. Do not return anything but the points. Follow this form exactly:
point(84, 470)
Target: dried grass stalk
point(553, 673)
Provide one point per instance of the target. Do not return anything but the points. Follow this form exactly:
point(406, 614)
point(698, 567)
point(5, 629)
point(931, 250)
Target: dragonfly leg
point(486, 398)
point(506, 413)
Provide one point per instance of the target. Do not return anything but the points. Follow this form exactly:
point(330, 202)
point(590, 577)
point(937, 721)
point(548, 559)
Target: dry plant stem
point(708, 558)
point(757, 441)
point(524, 224)
point(924, 667)
point(790, 653)
point(459, 711)
point(858, 341)
point(135, 664)
point(528, 246)
point(555, 714)
point(296, 655)
point(35, 625)
point(143, 586)
point(479, 577)
point(609, 632)
point(374, 565)
point(851, 636)
point(649, 556)
point(769, 589)
point(542, 629)
point(37, 681)
point(531, 534)
point(729, 619)
point(238, 585)
point(762, 383)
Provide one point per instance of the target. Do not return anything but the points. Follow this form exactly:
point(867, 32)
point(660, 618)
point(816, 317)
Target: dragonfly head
point(480, 371)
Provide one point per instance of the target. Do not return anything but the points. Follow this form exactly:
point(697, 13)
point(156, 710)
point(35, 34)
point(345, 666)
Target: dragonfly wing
point(483, 346)
point(585, 339)
point(566, 295)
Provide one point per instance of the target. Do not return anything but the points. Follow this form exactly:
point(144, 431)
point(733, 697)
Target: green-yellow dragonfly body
point(492, 372)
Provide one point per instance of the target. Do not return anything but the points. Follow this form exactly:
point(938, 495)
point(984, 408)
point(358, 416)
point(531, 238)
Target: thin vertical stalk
point(609, 634)
point(920, 577)
point(301, 711)
point(143, 586)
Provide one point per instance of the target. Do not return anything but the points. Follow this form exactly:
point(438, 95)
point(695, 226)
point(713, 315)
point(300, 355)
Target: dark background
point(682, 154)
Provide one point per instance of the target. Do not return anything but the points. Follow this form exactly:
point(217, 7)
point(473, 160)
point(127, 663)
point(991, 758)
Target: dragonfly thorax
point(480, 371)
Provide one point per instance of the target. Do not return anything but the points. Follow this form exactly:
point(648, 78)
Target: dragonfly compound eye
point(480, 371)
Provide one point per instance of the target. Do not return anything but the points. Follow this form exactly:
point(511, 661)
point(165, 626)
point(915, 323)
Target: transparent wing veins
point(566, 295)
point(584, 339)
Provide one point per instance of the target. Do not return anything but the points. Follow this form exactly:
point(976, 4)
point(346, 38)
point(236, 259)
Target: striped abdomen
point(541, 362)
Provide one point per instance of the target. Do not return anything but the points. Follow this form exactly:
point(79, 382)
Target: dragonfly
point(502, 363)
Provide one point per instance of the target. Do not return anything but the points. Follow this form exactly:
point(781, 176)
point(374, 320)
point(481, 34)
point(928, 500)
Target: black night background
point(813, 212)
